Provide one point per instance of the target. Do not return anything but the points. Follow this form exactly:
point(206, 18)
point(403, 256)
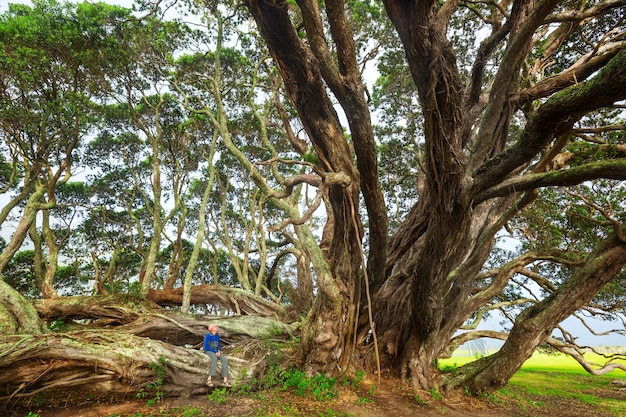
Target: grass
point(549, 377)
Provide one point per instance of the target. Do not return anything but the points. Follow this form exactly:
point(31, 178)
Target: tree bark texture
point(428, 287)
point(331, 325)
point(118, 351)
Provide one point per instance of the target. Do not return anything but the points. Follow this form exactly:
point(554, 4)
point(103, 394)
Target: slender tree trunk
point(149, 266)
point(39, 259)
point(195, 253)
point(157, 217)
point(47, 287)
point(177, 257)
point(28, 217)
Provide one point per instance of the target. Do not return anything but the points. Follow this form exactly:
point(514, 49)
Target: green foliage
point(435, 394)
point(320, 386)
point(421, 401)
point(193, 412)
point(298, 380)
point(59, 325)
point(363, 400)
point(218, 395)
point(19, 274)
point(134, 289)
point(275, 374)
point(323, 387)
point(159, 370)
point(359, 375)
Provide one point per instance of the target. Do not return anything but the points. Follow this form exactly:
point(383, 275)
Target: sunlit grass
point(567, 364)
point(544, 363)
point(557, 375)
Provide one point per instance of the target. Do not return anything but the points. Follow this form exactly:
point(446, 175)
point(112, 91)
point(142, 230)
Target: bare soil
point(369, 399)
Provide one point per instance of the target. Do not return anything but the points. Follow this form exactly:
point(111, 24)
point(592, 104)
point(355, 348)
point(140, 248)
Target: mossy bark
point(18, 313)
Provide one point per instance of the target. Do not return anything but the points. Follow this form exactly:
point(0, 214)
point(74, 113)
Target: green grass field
point(548, 378)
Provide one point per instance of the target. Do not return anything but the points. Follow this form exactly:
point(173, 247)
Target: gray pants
point(222, 358)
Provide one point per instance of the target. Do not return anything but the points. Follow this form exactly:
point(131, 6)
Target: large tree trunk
point(330, 326)
point(430, 283)
point(437, 237)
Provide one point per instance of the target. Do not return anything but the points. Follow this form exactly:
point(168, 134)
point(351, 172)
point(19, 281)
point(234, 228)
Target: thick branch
point(613, 169)
point(525, 18)
point(114, 309)
point(556, 116)
point(573, 75)
point(578, 15)
point(468, 337)
point(236, 300)
point(501, 276)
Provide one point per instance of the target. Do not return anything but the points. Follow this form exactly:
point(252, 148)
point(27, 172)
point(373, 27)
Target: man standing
point(213, 347)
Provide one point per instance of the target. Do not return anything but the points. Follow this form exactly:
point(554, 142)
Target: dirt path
point(387, 399)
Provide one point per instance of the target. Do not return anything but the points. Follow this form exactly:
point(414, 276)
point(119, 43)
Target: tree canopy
point(347, 171)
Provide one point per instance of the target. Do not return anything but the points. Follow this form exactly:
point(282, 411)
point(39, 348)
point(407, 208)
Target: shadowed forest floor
point(387, 399)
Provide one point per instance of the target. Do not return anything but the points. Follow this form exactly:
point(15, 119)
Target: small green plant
point(59, 325)
point(31, 414)
point(218, 395)
point(434, 392)
point(297, 379)
point(359, 376)
point(243, 388)
point(193, 412)
point(322, 387)
point(422, 402)
point(368, 398)
point(363, 400)
point(159, 373)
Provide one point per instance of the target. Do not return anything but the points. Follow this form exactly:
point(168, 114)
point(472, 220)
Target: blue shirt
point(212, 343)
